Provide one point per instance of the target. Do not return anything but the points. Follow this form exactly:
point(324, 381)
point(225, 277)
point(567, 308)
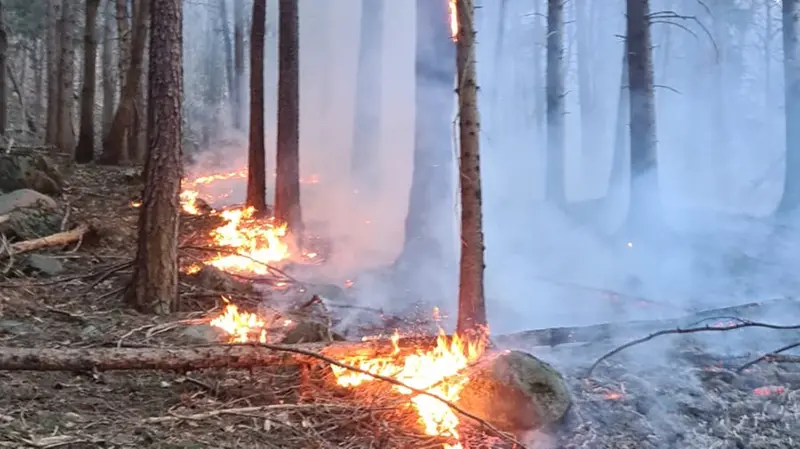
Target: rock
point(516, 392)
point(310, 332)
point(201, 334)
point(44, 264)
point(212, 278)
point(25, 198)
point(31, 222)
point(34, 172)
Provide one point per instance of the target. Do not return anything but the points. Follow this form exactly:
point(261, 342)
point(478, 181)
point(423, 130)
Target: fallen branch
point(771, 357)
point(58, 239)
point(692, 330)
point(239, 411)
point(217, 356)
point(630, 329)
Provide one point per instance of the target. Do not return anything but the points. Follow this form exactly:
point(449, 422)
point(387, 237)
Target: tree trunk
point(554, 187)
point(427, 255)
point(539, 94)
point(644, 185)
point(155, 281)
point(38, 77)
point(109, 81)
point(790, 201)
point(471, 303)
point(124, 39)
point(114, 145)
point(84, 152)
point(53, 72)
point(238, 63)
point(621, 133)
point(65, 134)
point(287, 181)
point(229, 71)
point(256, 160)
point(367, 133)
point(3, 69)
point(585, 91)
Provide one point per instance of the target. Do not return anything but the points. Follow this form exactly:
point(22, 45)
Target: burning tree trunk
point(287, 181)
point(471, 304)
point(790, 201)
point(84, 152)
point(155, 282)
point(644, 184)
point(366, 139)
point(256, 160)
point(238, 62)
point(114, 144)
point(555, 103)
point(429, 223)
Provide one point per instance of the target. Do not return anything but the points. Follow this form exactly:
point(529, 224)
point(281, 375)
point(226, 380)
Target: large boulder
point(35, 172)
point(27, 214)
point(516, 392)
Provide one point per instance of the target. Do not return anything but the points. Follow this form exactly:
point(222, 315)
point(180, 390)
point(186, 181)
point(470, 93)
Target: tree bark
point(58, 239)
point(287, 181)
point(471, 303)
point(3, 69)
point(644, 185)
point(65, 134)
point(229, 70)
point(256, 160)
point(427, 254)
point(155, 281)
point(109, 81)
point(790, 200)
point(84, 152)
point(238, 62)
point(53, 71)
point(115, 148)
point(555, 189)
point(367, 133)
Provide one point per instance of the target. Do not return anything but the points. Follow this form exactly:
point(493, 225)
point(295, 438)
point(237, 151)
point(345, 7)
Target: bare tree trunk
point(539, 94)
point(471, 303)
point(65, 134)
point(790, 201)
point(585, 91)
point(229, 72)
point(3, 69)
point(366, 139)
point(84, 152)
point(109, 81)
point(155, 282)
point(238, 63)
point(53, 72)
point(137, 135)
point(287, 181)
point(555, 189)
point(124, 39)
point(256, 160)
point(621, 134)
point(644, 178)
point(114, 144)
point(38, 77)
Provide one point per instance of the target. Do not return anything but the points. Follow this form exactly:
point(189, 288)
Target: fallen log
point(58, 239)
point(629, 329)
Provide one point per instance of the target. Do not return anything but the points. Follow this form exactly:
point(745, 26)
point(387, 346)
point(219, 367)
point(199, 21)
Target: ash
point(687, 398)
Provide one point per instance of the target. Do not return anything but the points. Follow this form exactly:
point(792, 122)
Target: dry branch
point(58, 239)
point(630, 329)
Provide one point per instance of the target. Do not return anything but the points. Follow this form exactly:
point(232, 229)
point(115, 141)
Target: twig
point(691, 330)
point(767, 357)
point(238, 411)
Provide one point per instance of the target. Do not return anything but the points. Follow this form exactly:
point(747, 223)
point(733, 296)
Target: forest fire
point(453, 20)
point(437, 371)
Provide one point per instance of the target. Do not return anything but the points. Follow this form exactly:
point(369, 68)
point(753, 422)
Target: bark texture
point(790, 201)
point(554, 186)
point(471, 303)
point(367, 132)
point(256, 159)
point(84, 152)
point(109, 80)
point(155, 282)
point(65, 133)
point(287, 181)
point(3, 69)
point(238, 63)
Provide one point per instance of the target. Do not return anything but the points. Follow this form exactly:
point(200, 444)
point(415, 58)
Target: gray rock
point(31, 222)
point(310, 332)
point(211, 278)
point(34, 172)
point(516, 392)
point(45, 264)
point(23, 198)
point(201, 334)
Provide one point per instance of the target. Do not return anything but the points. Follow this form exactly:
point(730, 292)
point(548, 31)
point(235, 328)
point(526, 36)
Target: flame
point(258, 241)
point(135, 204)
point(240, 325)
point(436, 371)
point(453, 20)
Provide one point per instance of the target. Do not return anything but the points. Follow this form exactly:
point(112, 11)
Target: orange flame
point(240, 325)
point(453, 20)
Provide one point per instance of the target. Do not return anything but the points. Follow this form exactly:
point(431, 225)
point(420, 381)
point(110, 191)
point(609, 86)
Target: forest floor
point(629, 403)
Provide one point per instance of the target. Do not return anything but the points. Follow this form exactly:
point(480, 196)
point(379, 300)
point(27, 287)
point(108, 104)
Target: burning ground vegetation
point(243, 284)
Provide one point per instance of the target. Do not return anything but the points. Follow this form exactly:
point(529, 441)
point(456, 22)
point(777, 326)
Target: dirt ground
point(288, 407)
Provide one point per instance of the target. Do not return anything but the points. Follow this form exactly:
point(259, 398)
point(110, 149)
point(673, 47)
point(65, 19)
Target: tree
point(790, 200)
point(427, 254)
point(108, 81)
point(155, 282)
point(3, 68)
point(471, 303)
point(84, 152)
point(53, 71)
point(366, 138)
point(644, 181)
point(287, 180)
point(65, 134)
point(238, 62)
point(555, 190)
point(256, 160)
